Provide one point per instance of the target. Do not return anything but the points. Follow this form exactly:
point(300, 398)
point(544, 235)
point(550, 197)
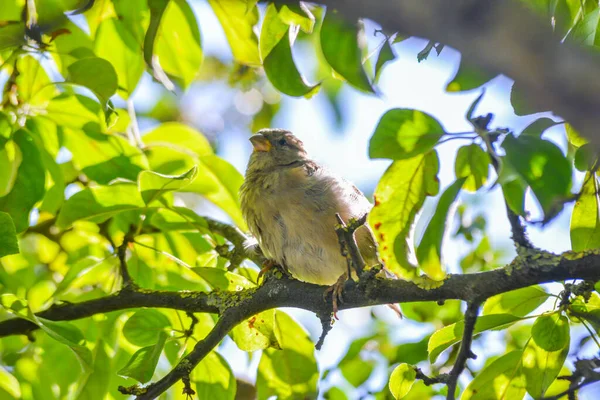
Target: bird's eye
point(282, 142)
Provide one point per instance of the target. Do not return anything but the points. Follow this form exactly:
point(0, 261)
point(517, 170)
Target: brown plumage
point(290, 202)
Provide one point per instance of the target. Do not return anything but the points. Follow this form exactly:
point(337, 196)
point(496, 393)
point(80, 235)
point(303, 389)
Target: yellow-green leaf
point(502, 379)
point(237, 22)
point(398, 197)
point(585, 220)
point(342, 50)
point(152, 185)
point(401, 380)
point(404, 133)
point(429, 251)
point(452, 334)
point(545, 354)
point(472, 163)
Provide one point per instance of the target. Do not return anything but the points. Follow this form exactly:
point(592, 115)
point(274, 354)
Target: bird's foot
point(336, 293)
point(269, 266)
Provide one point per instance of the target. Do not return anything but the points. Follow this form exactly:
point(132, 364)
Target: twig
point(133, 130)
point(428, 381)
point(465, 348)
point(122, 254)
point(519, 235)
point(326, 325)
point(227, 321)
point(348, 245)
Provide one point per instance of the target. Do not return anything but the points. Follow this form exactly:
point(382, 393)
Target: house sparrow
point(290, 203)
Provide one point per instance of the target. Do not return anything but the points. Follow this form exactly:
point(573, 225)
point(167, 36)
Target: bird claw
point(336, 291)
point(269, 265)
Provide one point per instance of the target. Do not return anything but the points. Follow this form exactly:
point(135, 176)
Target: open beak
point(260, 142)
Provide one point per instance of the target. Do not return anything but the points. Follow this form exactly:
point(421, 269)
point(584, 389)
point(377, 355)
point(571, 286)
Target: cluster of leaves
point(77, 179)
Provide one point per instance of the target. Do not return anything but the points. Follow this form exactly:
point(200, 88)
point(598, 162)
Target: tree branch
point(525, 270)
point(501, 37)
point(122, 300)
point(465, 348)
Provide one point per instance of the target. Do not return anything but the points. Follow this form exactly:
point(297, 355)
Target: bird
point(290, 202)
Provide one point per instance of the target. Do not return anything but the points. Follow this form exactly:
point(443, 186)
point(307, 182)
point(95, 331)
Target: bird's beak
point(260, 142)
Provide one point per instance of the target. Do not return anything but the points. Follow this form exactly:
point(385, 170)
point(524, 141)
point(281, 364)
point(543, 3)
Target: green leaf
point(177, 45)
point(520, 102)
point(116, 43)
point(298, 15)
point(63, 47)
point(29, 184)
point(67, 334)
point(214, 379)
point(514, 194)
point(574, 137)
point(544, 167)
point(501, 379)
point(9, 244)
point(545, 353)
point(452, 334)
point(34, 87)
point(12, 35)
point(9, 385)
point(399, 196)
point(273, 30)
point(96, 74)
point(386, 54)
point(145, 326)
point(75, 112)
point(152, 185)
point(584, 32)
point(468, 78)
point(99, 203)
point(169, 153)
point(10, 161)
point(473, 163)
point(180, 137)
point(222, 279)
point(412, 352)
point(103, 157)
point(551, 332)
point(401, 380)
point(404, 133)
point(537, 127)
point(585, 220)
point(178, 218)
point(255, 333)
point(278, 61)
point(237, 21)
point(292, 371)
point(142, 364)
point(335, 393)
point(46, 136)
point(429, 251)
point(357, 371)
point(342, 51)
point(96, 384)
point(518, 302)
point(586, 158)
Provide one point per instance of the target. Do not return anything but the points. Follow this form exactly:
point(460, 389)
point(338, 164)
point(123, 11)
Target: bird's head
point(275, 148)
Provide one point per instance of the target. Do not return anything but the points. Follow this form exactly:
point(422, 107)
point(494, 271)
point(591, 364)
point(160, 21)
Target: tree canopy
point(117, 279)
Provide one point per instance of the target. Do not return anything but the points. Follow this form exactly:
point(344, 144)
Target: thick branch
point(501, 37)
point(476, 287)
point(126, 298)
point(235, 307)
